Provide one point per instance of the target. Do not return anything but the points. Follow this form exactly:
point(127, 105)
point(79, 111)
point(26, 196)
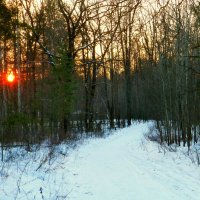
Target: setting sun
point(10, 77)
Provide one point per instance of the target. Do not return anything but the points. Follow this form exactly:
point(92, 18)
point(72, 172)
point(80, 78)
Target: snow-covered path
point(123, 166)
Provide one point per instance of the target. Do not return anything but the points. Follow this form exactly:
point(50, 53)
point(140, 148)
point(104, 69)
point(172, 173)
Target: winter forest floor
point(122, 166)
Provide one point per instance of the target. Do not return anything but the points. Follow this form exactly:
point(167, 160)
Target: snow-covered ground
point(122, 166)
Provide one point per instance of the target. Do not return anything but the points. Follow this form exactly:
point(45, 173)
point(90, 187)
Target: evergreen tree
point(6, 22)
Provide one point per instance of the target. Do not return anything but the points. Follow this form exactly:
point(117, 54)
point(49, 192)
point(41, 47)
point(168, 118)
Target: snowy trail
point(123, 166)
point(120, 168)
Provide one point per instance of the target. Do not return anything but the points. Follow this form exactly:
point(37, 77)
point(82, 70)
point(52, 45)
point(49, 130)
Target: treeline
point(79, 63)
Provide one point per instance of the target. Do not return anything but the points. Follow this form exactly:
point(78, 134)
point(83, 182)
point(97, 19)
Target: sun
point(10, 77)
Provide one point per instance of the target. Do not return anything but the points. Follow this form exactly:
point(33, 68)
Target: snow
point(122, 166)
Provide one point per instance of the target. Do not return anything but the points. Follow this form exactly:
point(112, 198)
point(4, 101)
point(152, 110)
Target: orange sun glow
point(10, 77)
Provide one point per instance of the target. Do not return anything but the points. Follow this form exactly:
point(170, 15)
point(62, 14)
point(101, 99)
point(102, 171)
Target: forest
point(76, 66)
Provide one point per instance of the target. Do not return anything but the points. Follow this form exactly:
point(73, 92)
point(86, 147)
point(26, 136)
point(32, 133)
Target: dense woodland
point(81, 63)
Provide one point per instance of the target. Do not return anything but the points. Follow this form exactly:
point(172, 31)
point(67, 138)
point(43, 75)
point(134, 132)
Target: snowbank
point(122, 166)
